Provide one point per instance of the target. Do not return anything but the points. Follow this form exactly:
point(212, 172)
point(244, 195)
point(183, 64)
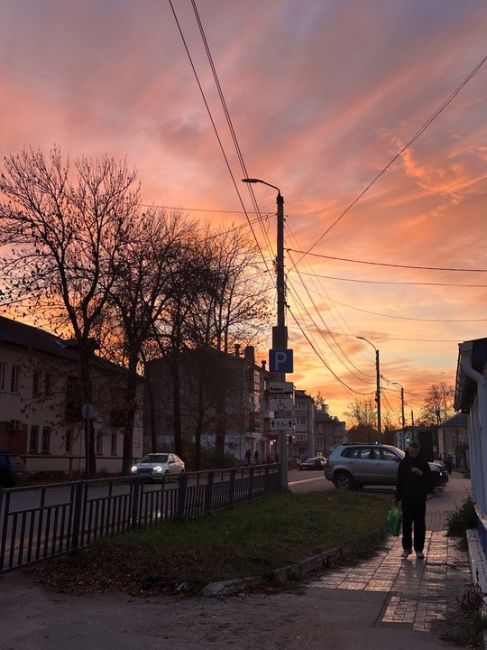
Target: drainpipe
point(480, 447)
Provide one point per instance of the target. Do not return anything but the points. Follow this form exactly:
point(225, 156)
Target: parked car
point(355, 465)
point(155, 466)
point(11, 467)
point(318, 462)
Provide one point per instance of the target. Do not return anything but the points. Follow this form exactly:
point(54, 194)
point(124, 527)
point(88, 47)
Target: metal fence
point(42, 521)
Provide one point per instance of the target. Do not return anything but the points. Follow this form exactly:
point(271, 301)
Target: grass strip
point(251, 539)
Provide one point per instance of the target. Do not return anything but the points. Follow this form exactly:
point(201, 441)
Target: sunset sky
point(321, 94)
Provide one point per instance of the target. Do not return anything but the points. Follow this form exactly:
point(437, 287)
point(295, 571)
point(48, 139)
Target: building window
point(99, 443)
point(68, 448)
point(15, 379)
point(46, 440)
point(48, 385)
point(34, 439)
point(113, 449)
point(35, 384)
point(3, 373)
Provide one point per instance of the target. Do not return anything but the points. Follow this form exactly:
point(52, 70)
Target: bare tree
point(66, 227)
point(148, 277)
point(362, 413)
point(438, 405)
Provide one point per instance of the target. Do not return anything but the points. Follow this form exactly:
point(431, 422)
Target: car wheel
point(343, 481)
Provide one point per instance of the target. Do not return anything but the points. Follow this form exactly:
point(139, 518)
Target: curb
point(289, 573)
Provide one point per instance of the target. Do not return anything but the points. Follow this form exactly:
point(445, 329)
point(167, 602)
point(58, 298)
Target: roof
point(474, 351)
point(26, 336)
point(457, 420)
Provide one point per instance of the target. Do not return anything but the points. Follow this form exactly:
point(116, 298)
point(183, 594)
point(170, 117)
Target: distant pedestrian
point(413, 480)
point(256, 457)
point(449, 464)
point(248, 456)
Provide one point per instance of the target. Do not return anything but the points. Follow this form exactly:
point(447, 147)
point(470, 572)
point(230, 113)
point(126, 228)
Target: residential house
point(329, 431)
point(471, 398)
point(40, 403)
point(453, 440)
point(304, 444)
point(221, 394)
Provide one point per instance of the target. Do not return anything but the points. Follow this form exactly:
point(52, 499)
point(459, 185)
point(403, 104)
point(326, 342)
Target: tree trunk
point(176, 405)
point(89, 429)
point(131, 405)
point(199, 425)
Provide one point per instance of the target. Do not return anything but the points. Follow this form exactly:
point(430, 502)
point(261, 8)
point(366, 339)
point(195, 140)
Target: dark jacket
point(413, 479)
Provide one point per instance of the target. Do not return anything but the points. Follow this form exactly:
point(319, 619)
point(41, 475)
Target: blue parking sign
point(281, 360)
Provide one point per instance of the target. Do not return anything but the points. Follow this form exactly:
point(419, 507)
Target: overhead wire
point(425, 320)
point(418, 133)
point(324, 362)
point(395, 282)
point(332, 309)
point(390, 264)
point(215, 129)
point(226, 111)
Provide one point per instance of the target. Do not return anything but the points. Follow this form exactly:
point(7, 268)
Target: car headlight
point(133, 468)
point(158, 468)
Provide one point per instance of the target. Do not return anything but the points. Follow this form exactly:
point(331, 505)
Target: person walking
point(256, 457)
point(449, 464)
point(248, 456)
point(413, 480)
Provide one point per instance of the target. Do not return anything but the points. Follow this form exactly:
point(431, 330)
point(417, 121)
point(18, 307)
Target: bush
point(461, 519)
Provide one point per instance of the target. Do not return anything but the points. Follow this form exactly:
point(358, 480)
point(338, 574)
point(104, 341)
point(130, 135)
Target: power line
point(180, 207)
point(422, 284)
point(432, 117)
point(322, 334)
point(428, 320)
point(323, 360)
point(222, 149)
point(227, 114)
point(390, 264)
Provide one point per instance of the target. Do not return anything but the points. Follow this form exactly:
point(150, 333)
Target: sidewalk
point(382, 603)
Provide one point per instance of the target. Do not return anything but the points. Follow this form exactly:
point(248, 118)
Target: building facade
point(40, 403)
point(220, 395)
point(304, 444)
point(329, 432)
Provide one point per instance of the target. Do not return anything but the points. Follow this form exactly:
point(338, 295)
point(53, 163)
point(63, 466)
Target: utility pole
point(279, 332)
point(403, 420)
point(377, 395)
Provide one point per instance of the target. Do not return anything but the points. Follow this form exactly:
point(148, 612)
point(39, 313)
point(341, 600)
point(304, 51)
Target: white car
point(155, 466)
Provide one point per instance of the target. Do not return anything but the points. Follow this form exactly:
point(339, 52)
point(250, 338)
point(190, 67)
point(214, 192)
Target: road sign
point(281, 387)
point(281, 360)
point(280, 404)
point(282, 424)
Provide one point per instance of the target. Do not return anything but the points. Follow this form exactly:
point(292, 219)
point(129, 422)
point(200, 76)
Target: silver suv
point(355, 465)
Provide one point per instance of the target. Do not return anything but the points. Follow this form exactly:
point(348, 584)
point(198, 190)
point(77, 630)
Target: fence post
point(183, 482)
point(77, 508)
point(134, 511)
point(209, 492)
point(231, 490)
point(251, 483)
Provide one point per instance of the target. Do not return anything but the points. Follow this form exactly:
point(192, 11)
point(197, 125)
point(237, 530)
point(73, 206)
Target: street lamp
point(279, 332)
point(403, 419)
point(377, 392)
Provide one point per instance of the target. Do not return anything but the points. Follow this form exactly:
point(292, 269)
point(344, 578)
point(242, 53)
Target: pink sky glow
point(321, 94)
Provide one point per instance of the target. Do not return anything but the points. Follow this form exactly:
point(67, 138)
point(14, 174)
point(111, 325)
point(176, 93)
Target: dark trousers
point(413, 512)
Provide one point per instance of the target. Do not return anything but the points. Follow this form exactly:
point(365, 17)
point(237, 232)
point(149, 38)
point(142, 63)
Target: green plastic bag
point(394, 521)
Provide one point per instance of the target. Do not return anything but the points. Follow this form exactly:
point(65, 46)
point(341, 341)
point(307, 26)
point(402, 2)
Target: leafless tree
point(438, 405)
point(147, 279)
point(66, 227)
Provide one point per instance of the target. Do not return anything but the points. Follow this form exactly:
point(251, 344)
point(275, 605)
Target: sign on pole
point(281, 360)
point(282, 424)
point(281, 387)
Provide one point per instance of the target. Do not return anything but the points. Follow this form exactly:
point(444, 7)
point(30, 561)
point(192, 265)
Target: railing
point(42, 521)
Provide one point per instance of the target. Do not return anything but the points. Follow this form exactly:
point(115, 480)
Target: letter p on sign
point(281, 360)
